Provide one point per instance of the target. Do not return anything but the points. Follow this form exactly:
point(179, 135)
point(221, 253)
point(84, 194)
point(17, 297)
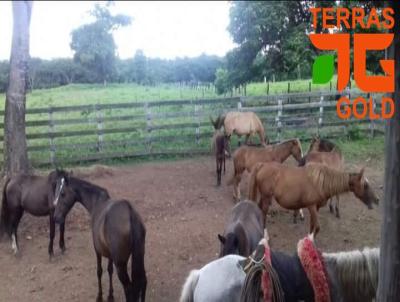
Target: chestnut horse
point(306, 187)
point(325, 152)
point(245, 158)
point(241, 123)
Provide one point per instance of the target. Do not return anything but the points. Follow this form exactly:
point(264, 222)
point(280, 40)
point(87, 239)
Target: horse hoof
point(99, 299)
point(63, 249)
point(330, 209)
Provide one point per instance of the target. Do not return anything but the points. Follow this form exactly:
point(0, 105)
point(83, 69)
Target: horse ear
point(221, 239)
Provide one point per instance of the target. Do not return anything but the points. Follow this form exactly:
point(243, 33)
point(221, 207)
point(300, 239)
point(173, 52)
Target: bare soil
point(183, 211)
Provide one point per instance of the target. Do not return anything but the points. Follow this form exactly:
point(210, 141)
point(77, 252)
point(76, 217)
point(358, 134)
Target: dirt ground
point(183, 211)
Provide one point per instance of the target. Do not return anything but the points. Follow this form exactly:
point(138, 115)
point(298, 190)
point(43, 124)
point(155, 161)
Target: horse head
point(296, 150)
point(63, 196)
point(362, 189)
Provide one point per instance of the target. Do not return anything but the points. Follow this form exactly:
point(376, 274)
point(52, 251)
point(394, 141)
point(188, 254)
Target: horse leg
point(15, 218)
point(224, 163)
point(110, 273)
point(62, 242)
point(219, 168)
point(264, 203)
point(99, 274)
point(126, 283)
point(295, 213)
point(314, 224)
point(330, 206)
point(236, 186)
point(52, 234)
point(337, 207)
point(247, 139)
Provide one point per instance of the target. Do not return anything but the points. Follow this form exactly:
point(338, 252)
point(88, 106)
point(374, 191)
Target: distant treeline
point(139, 69)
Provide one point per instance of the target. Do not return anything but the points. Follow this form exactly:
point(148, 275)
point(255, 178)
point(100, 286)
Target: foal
point(33, 194)
point(117, 229)
point(221, 147)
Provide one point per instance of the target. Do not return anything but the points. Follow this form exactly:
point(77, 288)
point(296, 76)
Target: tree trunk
point(15, 150)
point(389, 262)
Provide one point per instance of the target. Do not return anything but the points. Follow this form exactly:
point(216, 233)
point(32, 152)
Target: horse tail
point(4, 211)
point(138, 238)
point(253, 182)
point(187, 294)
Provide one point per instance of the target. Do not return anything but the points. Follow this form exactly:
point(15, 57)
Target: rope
point(251, 290)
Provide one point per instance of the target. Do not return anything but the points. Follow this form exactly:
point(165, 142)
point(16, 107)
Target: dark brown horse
point(221, 148)
point(35, 195)
point(243, 230)
point(117, 229)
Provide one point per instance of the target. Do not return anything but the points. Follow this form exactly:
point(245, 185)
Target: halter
point(314, 268)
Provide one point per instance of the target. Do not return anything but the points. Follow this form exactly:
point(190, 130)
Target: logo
point(323, 67)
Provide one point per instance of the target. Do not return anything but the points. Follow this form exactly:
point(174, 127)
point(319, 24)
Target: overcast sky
point(160, 29)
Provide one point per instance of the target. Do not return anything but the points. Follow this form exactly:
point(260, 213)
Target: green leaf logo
point(323, 69)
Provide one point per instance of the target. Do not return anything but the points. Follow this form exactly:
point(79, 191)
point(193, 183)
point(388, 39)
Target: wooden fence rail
point(71, 134)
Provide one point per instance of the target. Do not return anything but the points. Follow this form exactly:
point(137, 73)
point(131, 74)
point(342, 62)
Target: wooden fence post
point(99, 120)
point(148, 127)
point(278, 120)
point(196, 116)
point(51, 139)
point(321, 113)
point(239, 104)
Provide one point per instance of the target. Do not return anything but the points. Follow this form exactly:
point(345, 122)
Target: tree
point(221, 83)
point(94, 44)
point(139, 66)
point(15, 147)
point(389, 262)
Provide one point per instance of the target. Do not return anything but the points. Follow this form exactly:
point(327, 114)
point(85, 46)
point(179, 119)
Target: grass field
point(79, 94)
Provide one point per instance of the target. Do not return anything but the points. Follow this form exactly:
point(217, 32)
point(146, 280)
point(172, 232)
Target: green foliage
point(221, 83)
point(94, 44)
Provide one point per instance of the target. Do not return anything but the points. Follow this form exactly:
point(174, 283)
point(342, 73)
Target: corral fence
point(77, 134)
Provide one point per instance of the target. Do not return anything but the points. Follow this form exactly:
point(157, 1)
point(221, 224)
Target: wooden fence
point(74, 134)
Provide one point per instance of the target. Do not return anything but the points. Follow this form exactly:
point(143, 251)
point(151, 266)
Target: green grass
point(80, 94)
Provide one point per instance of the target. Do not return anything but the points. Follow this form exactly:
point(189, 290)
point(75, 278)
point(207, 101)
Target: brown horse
point(332, 160)
point(245, 158)
point(243, 230)
point(33, 194)
point(117, 229)
point(241, 123)
point(221, 147)
point(306, 187)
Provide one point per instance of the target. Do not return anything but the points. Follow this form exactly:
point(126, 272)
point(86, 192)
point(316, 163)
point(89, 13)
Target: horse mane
point(89, 187)
point(357, 273)
point(329, 181)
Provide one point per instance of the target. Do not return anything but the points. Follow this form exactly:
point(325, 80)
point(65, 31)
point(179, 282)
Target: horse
point(243, 230)
point(221, 147)
point(33, 194)
point(245, 158)
point(306, 187)
point(334, 160)
point(352, 276)
point(241, 123)
point(325, 152)
point(117, 230)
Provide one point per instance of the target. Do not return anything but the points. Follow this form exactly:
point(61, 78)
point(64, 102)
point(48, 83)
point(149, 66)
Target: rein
point(261, 274)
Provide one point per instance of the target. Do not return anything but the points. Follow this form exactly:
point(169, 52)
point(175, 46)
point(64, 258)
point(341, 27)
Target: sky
point(161, 29)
